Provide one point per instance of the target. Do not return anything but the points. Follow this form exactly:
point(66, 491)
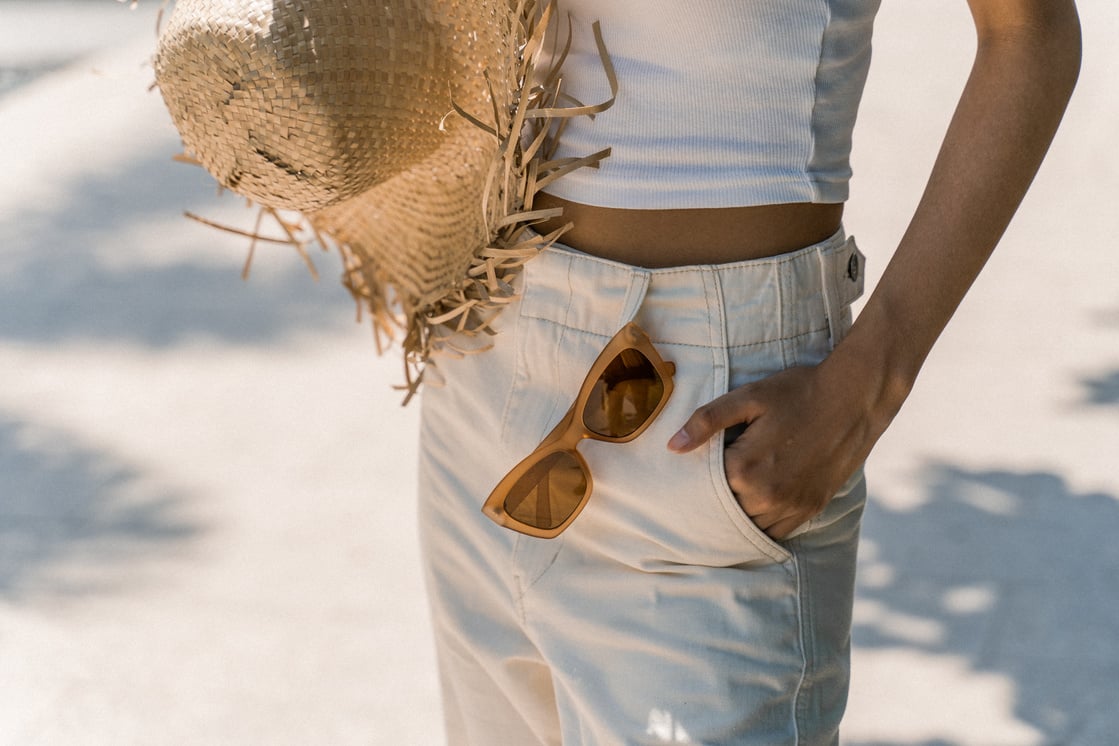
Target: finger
point(764, 521)
point(774, 518)
point(732, 408)
point(784, 527)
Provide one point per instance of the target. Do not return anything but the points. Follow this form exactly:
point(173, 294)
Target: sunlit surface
point(206, 486)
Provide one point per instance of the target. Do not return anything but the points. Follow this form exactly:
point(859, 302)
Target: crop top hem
point(669, 196)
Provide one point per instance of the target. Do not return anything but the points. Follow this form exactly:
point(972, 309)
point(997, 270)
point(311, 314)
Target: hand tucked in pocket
point(807, 430)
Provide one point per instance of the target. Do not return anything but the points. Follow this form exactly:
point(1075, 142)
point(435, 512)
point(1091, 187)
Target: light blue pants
point(662, 615)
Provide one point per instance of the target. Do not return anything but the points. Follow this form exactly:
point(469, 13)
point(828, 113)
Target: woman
point(704, 593)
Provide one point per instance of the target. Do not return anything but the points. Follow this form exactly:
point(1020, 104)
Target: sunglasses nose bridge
point(567, 433)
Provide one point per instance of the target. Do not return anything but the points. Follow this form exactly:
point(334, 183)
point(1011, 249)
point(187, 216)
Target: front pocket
point(729, 504)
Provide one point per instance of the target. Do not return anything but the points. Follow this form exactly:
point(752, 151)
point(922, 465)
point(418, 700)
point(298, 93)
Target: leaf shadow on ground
point(60, 283)
point(1102, 389)
point(1015, 572)
point(65, 502)
point(75, 521)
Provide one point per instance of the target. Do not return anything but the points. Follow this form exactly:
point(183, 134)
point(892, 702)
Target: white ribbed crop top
point(721, 103)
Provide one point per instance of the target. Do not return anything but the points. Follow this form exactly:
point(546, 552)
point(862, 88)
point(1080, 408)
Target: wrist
point(881, 362)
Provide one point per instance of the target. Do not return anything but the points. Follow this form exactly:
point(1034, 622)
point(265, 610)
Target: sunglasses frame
point(571, 430)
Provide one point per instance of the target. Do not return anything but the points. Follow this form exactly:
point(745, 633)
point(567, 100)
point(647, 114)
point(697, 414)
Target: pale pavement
point(206, 485)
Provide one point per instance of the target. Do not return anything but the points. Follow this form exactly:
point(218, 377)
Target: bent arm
point(1026, 65)
point(808, 429)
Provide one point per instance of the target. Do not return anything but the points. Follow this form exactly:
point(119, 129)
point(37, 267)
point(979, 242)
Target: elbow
point(1063, 44)
point(1044, 37)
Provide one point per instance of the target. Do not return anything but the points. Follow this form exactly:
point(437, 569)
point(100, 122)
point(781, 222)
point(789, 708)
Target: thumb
point(730, 409)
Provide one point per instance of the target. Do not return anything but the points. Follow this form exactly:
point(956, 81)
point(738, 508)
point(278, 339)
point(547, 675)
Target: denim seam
point(803, 608)
point(518, 366)
point(783, 322)
point(519, 587)
point(565, 327)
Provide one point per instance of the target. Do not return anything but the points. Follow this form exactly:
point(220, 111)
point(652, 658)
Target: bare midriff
point(674, 238)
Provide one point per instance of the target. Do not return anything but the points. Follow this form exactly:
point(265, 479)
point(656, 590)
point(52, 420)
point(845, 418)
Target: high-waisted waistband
point(760, 300)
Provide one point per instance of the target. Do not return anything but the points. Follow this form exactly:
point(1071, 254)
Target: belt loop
point(830, 294)
point(841, 282)
point(635, 295)
point(718, 341)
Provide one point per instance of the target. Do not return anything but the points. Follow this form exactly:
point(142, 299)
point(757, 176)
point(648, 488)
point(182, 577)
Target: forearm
point(1007, 115)
point(809, 428)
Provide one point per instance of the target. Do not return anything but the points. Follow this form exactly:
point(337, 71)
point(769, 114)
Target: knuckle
point(706, 417)
point(734, 471)
point(741, 478)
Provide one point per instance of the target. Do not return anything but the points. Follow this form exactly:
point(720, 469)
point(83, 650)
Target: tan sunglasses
point(625, 390)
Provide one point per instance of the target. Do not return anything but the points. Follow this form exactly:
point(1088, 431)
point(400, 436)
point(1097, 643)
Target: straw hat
point(411, 134)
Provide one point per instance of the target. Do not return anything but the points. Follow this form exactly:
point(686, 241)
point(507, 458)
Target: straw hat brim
point(430, 245)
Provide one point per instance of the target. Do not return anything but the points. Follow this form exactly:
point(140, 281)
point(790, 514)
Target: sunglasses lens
point(549, 492)
point(624, 397)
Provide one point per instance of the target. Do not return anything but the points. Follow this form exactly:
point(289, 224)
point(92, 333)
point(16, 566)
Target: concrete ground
point(206, 485)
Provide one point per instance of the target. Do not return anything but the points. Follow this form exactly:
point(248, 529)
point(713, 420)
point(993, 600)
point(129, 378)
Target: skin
point(809, 428)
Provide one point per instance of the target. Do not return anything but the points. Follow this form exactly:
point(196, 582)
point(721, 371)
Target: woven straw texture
point(410, 134)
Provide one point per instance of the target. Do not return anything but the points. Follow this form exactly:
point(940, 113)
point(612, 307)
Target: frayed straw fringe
point(132, 4)
point(457, 320)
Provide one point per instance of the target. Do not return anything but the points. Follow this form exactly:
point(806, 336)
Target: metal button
point(853, 268)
